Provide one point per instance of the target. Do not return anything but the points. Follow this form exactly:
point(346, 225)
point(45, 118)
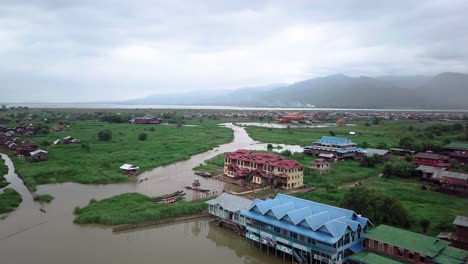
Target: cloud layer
point(86, 50)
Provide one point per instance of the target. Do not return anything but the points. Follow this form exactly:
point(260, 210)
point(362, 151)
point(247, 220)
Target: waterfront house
point(308, 231)
point(129, 169)
point(263, 169)
point(39, 155)
point(386, 244)
point(227, 208)
point(431, 159)
point(341, 148)
point(383, 154)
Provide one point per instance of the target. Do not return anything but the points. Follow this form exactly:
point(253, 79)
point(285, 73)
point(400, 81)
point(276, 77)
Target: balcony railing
point(324, 249)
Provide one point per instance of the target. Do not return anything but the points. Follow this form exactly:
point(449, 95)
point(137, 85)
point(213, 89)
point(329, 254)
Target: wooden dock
point(170, 220)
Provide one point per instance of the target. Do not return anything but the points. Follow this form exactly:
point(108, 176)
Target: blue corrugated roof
point(336, 150)
point(335, 141)
point(315, 220)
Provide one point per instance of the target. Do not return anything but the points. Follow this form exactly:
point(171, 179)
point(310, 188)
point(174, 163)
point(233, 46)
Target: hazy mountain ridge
point(444, 91)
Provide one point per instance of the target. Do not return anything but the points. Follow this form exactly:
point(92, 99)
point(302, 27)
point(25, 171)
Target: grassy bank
point(388, 133)
point(439, 208)
point(132, 208)
point(9, 200)
point(101, 161)
point(44, 198)
point(3, 172)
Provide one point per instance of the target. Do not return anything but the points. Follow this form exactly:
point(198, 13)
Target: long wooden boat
point(170, 200)
point(204, 174)
point(165, 196)
point(201, 190)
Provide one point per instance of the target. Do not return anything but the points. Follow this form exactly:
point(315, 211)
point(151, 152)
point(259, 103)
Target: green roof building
point(386, 244)
point(456, 146)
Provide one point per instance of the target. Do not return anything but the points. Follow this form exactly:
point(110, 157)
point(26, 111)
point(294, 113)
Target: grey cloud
point(160, 46)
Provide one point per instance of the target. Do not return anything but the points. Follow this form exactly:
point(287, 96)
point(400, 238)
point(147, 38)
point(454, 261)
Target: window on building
point(302, 238)
point(293, 235)
point(277, 229)
point(411, 255)
point(422, 259)
point(400, 252)
point(370, 243)
point(381, 246)
point(390, 249)
point(285, 232)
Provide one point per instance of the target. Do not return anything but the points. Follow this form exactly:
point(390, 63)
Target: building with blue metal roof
point(341, 148)
point(310, 232)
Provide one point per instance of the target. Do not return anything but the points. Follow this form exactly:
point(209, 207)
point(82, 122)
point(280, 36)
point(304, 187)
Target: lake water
point(29, 236)
point(213, 107)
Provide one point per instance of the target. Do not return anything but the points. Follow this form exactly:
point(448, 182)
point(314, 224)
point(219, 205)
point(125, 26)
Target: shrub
point(142, 136)
point(269, 146)
point(105, 135)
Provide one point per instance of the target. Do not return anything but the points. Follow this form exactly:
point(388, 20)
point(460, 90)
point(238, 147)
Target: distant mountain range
point(443, 91)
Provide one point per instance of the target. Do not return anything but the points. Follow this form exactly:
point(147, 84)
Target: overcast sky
point(89, 50)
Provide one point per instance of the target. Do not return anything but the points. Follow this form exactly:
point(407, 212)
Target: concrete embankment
point(171, 220)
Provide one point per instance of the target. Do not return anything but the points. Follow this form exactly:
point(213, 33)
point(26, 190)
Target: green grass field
point(132, 208)
point(388, 132)
point(441, 209)
point(71, 162)
point(9, 200)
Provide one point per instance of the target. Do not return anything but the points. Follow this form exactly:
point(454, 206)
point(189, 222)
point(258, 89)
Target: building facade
point(431, 159)
point(307, 231)
point(341, 148)
point(227, 207)
point(264, 169)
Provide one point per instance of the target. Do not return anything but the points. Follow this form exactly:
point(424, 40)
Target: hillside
point(443, 91)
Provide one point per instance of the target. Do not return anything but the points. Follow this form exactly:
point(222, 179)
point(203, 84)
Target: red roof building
point(27, 148)
point(263, 169)
point(292, 117)
point(431, 159)
point(341, 122)
point(460, 155)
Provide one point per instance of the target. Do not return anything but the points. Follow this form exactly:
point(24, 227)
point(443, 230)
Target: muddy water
point(29, 235)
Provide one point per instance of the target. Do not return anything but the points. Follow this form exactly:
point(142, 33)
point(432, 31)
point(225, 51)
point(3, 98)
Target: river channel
point(28, 235)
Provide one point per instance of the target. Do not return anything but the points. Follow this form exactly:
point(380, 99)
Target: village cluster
point(301, 230)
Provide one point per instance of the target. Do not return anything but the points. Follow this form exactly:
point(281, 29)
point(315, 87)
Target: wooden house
point(383, 154)
point(460, 155)
point(129, 169)
point(27, 148)
point(227, 208)
point(146, 120)
point(39, 155)
point(451, 182)
point(431, 159)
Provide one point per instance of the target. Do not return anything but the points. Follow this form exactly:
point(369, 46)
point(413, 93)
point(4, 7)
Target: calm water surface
point(29, 236)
